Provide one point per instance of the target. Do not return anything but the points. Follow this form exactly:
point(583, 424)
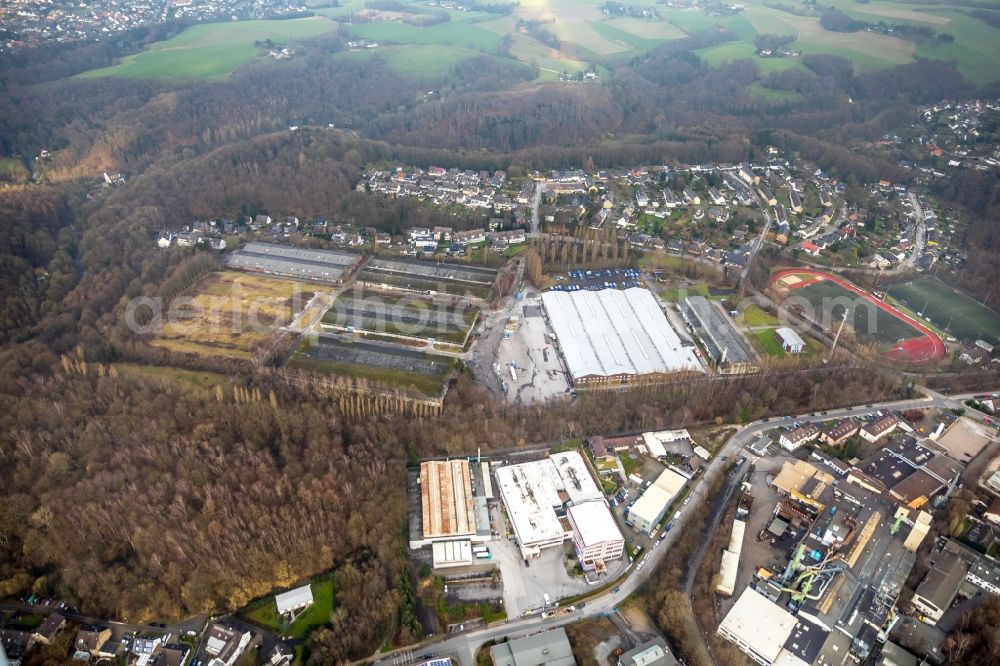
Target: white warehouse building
point(649, 509)
point(595, 535)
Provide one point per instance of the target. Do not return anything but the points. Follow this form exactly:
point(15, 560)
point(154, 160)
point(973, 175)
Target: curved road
point(463, 645)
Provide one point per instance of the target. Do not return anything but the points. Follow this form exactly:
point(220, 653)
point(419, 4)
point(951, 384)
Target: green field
point(196, 378)
point(754, 315)
point(871, 324)
point(211, 50)
point(768, 342)
point(265, 612)
point(452, 33)
point(418, 61)
point(963, 316)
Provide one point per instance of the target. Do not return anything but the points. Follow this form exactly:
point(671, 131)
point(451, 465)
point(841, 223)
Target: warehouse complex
point(722, 341)
point(615, 335)
point(449, 506)
point(328, 266)
point(650, 508)
point(554, 499)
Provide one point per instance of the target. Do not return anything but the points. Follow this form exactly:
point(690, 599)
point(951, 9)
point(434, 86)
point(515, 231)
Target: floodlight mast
point(843, 320)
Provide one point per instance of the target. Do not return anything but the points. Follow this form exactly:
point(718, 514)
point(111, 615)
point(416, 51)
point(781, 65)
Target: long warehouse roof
point(616, 332)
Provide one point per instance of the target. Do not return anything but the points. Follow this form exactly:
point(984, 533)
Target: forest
point(144, 493)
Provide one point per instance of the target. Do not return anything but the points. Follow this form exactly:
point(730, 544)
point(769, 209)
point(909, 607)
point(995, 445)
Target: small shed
point(790, 341)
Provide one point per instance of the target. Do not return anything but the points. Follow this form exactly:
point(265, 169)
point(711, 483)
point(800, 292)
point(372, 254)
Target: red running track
point(928, 348)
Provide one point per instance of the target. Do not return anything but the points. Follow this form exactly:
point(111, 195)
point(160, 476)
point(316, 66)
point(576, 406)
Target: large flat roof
point(594, 523)
point(530, 495)
point(574, 477)
point(651, 504)
point(616, 332)
point(759, 623)
point(446, 499)
point(319, 265)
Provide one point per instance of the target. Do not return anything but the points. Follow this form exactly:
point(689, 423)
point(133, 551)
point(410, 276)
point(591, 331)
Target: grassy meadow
point(586, 35)
point(211, 50)
point(219, 319)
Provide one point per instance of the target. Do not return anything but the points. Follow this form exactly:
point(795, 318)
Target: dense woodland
point(152, 496)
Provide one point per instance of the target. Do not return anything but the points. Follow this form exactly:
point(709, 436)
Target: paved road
point(464, 645)
point(539, 187)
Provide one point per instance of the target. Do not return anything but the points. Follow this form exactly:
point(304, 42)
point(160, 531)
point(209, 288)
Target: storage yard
point(326, 266)
point(616, 335)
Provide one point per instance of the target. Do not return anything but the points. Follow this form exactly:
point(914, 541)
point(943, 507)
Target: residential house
point(443, 233)
point(91, 639)
point(793, 439)
point(841, 432)
point(224, 644)
point(876, 430)
point(470, 237)
point(811, 248)
point(49, 628)
point(145, 644)
point(15, 644)
point(171, 654)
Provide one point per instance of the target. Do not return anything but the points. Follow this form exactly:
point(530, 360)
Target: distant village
point(30, 23)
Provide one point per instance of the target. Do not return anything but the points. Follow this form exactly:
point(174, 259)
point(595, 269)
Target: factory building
point(616, 335)
point(539, 495)
point(448, 503)
point(651, 506)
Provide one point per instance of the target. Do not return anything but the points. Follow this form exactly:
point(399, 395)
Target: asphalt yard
point(539, 368)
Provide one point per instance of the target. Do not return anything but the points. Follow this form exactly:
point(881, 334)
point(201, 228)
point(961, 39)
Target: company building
point(616, 335)
point(651, 506)
point(596, 536)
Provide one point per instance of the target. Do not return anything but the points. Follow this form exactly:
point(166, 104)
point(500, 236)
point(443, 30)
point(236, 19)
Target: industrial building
point(721, 340)
point(596, 536)
point(650, 653)
point(615, 335)
point(938, 589)
point(731, 560)
point(757, 626)
point(537, 493)
point(551, 648)
point(329, 266)
point(448, 503)
point(649, 509)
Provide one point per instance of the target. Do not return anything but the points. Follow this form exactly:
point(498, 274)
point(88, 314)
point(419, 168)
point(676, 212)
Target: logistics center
point(616, 335)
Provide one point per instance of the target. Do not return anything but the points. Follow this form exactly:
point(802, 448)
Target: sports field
point(232, 315)
point(211, 50)
point(948, 308)
point(825, 298)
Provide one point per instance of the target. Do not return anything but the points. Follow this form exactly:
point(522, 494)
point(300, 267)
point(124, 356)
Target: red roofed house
point(811, 248)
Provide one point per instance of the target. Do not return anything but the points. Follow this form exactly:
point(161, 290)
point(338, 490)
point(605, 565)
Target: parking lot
point(612, 278)
point(539, 373)
point(525, 586)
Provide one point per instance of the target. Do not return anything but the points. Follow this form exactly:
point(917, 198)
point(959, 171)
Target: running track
point(928, 348)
